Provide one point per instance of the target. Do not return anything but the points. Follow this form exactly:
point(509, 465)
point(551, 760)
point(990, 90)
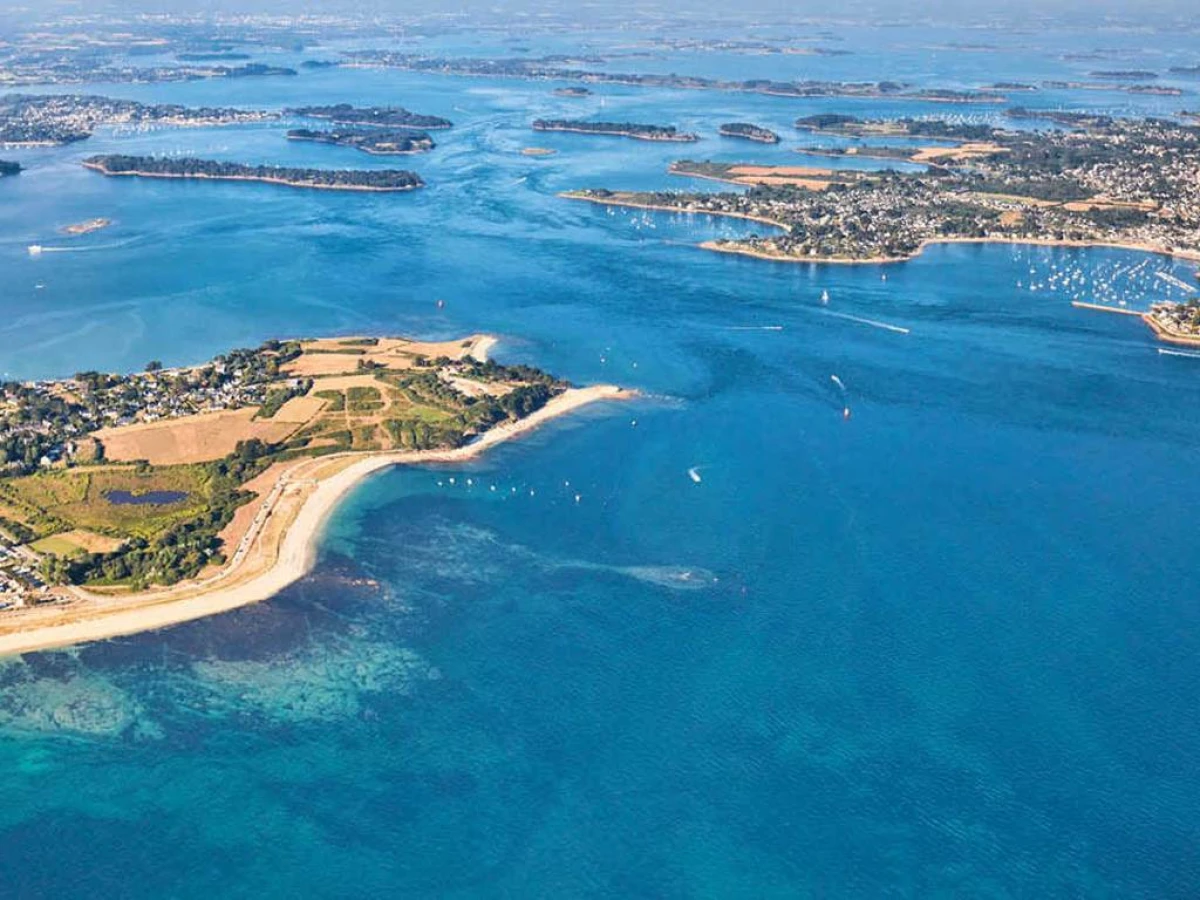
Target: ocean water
point(948, 647)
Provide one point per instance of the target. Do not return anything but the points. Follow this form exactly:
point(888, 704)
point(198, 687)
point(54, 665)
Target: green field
point(63, 500)
point(59, 546)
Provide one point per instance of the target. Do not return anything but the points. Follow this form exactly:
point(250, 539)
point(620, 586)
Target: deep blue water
point(946, 648)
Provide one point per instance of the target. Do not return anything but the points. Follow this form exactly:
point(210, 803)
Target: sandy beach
point(278, 549)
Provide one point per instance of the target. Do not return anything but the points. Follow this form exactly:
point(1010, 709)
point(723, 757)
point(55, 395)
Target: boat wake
point(673, 577)
point(874, 323)
point(1185, 353)
point(39, 249)
point(475, 554)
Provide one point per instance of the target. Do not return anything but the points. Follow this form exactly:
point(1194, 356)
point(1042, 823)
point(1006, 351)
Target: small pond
point(149, 498)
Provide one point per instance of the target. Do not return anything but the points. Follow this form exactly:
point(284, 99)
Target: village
point(45, 422)
point(1130, 182)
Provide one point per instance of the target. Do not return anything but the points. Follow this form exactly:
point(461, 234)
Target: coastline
point(603, 201)
point(679, 139)
point(1164, 334)
point(1189, 255)
point(1167, 336)
point(738, 250)
point(258, 571)
point(278, 181)
point(746, 137)
point(366, 150)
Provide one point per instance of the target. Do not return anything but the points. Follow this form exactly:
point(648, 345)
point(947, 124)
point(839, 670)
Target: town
point(46, 120)
point(1127, 182)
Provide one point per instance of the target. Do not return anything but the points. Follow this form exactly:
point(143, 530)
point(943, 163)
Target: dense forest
point(377, 141)
point(623, 129)
point(344, 179)
point(749, 132)
point(383, 116)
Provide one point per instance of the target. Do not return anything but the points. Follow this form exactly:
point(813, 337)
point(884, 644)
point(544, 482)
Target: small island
point(843, 125)
point(86, 227)
point(537, 151)
point(378, 142)
point(131, 502)
point(218, 56)
point(1113, 85)
point(749, 132)
point(572, 92)
point(9, 168)
point(1125, 74)
point(664, 133)
point(378, 116)
point(320, 179)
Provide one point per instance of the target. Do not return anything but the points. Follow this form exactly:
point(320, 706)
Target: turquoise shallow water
point(946, 648)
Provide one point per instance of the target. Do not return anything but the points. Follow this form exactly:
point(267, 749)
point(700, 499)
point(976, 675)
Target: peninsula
point(749, 132)
point(131, 502)
point(376, 141)
point(666, 133)
point(1175, 323)
point(378, 116)
point(323, 179)
point(1129, 183)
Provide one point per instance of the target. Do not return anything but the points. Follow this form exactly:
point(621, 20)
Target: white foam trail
point(675, 578)
point(838, 382)
point(1184, 353)
point(35, 249)
point(872, 322)
point(754, 328)
point(694, 474)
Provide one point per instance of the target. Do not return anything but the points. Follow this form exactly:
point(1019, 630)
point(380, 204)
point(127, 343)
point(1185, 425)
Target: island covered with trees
point(376, 141)
point(667, 133)
point(326, 179)
point(844, 125)
point(378, 116)
point(9, 168)
point(749, 132)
